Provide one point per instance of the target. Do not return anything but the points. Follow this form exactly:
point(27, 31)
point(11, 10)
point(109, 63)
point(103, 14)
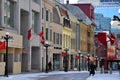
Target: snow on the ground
point(29, 76)
point(107, 76)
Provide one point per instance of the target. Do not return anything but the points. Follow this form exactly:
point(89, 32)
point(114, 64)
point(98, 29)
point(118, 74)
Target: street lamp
point(66, 60)
point(88, 60)
point(79, 52)
point(82, 61)
point(46, 46)
point(96, 60)
point(6, 38)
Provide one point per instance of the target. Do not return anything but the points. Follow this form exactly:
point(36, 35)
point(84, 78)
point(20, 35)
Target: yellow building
point(83, 38)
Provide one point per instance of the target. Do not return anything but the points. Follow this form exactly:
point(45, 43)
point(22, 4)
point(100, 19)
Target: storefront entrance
point(56, 61)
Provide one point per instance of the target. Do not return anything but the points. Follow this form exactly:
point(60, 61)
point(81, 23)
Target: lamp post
point(66, 60)
point(96, 61)
point(46, 46)
point(79, 52)
point(88, 60)
point(82, 61)
point(6, 38)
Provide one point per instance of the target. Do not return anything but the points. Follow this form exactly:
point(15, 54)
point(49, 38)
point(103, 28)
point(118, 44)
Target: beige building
point(17, 17)
point(10, 23)
point(58, 25)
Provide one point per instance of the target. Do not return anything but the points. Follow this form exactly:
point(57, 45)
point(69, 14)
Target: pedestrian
point(92, 69)
point(50, 66)
point(119, 68)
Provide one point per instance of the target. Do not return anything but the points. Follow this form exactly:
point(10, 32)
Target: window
point(66, 22)
point(61, 39)
point(46, 33)
point(47, 15)
point(7, 13)
point(17, 57)
point(36, 1)
point(1, 57)
point(54, 37)
point(42, 13)
point(34, 21)
point(109, 0)
point(51, 17)
point(57, 38)
point(50, 35)
point(9, 7)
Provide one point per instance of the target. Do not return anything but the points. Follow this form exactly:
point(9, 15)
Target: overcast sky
point(72, 1)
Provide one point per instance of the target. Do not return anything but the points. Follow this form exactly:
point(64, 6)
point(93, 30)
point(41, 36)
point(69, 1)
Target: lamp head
point(46, 42)
point(88, 55)
point(79, 52)
point(7, 33)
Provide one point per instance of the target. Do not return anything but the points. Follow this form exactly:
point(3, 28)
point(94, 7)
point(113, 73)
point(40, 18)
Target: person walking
point(119, 68)
point(92, 69)
point(50, 66)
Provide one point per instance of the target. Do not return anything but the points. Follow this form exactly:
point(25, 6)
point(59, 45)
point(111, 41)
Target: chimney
point(67, 1)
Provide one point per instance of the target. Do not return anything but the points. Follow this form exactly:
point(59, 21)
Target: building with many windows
point(60, 28)
point(109, 0)
point(10, 22)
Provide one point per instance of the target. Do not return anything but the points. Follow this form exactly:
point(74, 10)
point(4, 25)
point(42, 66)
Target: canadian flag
point(29, 33)
point(41, 34)
point(63, 54)
point(111, 38)
point(86, 59)
point(2, 45)
point(112, 57)
point(94, 60)
point(77, 56)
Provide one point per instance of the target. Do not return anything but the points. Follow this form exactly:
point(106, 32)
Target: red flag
point(29, 33)
point(41, 34)
point(112, 36)
point(94, 60)
point(77, 57)
point(112, 57)
point(102, 38)
point(63, 54)
point(2, 45)
point(86, 59)
point(112, 39)
point(42, 38)
point(42, 42)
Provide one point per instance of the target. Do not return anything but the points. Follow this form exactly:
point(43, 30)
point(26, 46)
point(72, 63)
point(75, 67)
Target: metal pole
point(82, 62)
point(106, 63)
point(88, 62)
point(96, 62)
point(6, 56)
point(66, 61)
point(46, 58)
point(79, 62)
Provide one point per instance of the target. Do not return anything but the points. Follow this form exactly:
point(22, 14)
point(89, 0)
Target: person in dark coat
point(92, 69)
point(119, 68)
point(50, 66)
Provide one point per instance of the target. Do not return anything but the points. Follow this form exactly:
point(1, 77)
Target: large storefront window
point(56, 61)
